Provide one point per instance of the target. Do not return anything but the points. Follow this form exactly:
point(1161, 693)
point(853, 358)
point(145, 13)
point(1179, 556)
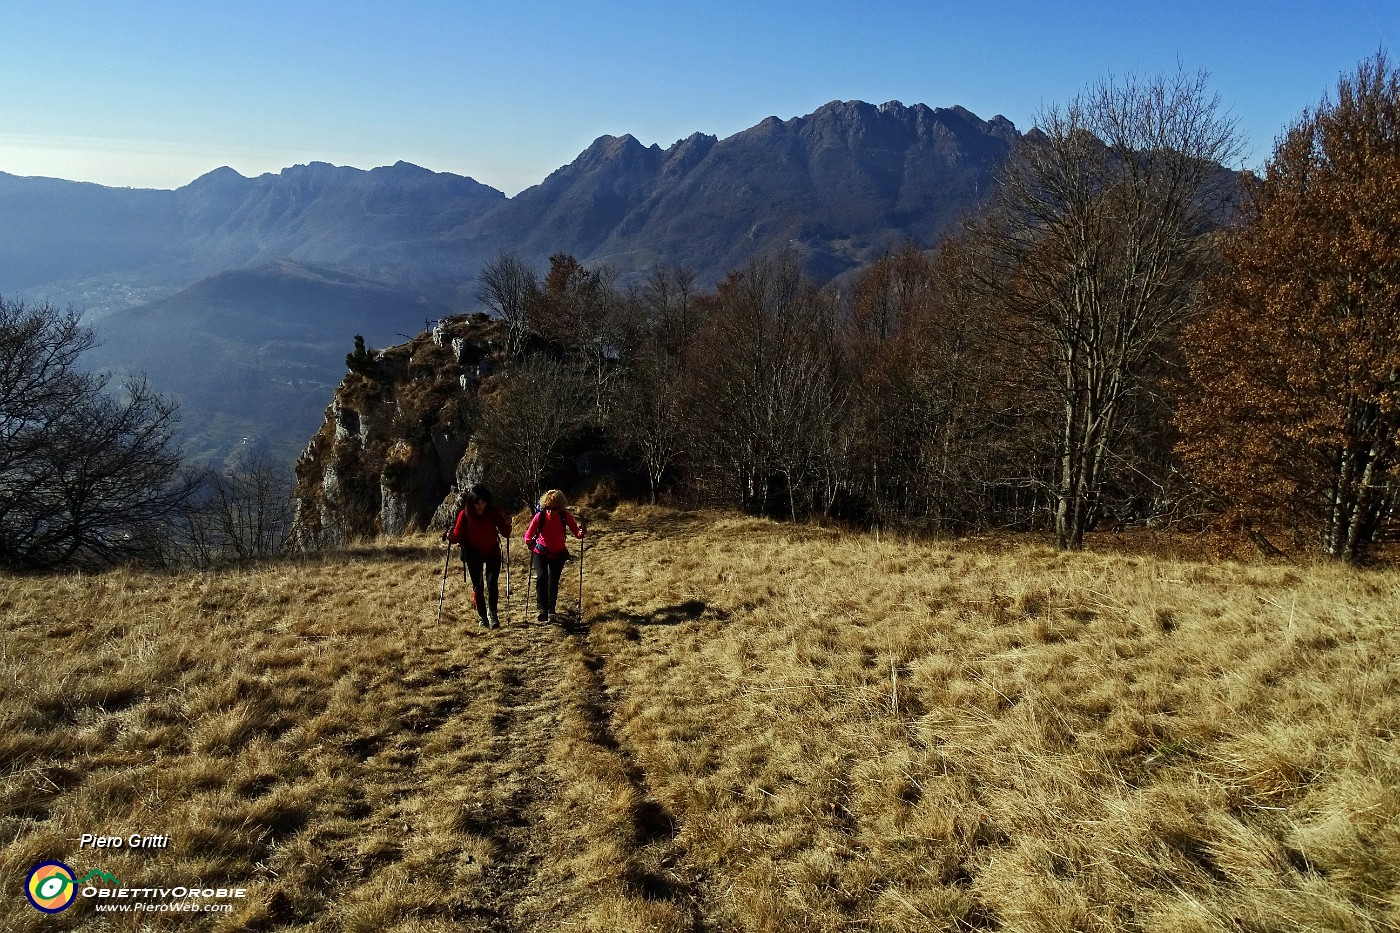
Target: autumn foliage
point(1293, 419)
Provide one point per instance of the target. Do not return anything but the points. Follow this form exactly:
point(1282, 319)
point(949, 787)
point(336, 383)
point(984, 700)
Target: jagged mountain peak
point(842, 180)
point(695, 139)
point(611, 148)
point(856, 123)
point(689, 150)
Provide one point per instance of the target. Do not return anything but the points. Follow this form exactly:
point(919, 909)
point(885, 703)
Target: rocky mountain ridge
point(839, 183)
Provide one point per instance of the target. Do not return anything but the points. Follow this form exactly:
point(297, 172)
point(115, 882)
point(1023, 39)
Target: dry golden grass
point(760, 727)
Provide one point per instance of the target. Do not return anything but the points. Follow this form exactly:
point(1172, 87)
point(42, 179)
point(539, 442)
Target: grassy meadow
point(754, 727)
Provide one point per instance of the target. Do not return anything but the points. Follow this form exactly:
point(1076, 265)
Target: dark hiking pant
point(548, 572)
point(486, 577)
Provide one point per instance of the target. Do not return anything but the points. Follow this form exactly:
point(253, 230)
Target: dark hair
point(480, 493)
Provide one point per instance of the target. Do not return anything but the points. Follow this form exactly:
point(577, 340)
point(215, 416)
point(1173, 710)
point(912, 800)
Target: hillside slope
point(254, 355)
point(753, 727)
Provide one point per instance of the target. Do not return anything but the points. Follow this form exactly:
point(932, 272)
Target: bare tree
point(671, 310)
point(583, 315)
point(242, 513)
point(648, 417)
point(86, 476)
point(602, 329)
point(508, 286)
point(931, 447)
point(525, 424)
point(655, 326)
point(767, 384)
point(1092, 243)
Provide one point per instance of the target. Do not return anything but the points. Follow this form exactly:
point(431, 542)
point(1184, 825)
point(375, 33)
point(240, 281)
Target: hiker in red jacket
point(545, 539)
point(478, 523)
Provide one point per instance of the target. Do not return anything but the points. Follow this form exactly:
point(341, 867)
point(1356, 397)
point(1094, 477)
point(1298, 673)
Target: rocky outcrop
point(394, 437)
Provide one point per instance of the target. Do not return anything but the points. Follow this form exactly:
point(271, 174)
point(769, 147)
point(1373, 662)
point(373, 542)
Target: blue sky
point(154, 94)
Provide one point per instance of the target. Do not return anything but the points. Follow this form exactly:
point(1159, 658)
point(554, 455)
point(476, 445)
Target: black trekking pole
point(443, 592)
point(510, 617)
point(529, 573)
point(581, 549)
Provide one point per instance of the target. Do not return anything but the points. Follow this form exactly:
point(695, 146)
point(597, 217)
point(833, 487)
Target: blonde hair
point(554, 499)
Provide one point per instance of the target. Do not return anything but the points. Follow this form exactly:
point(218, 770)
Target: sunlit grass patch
point(994, 729)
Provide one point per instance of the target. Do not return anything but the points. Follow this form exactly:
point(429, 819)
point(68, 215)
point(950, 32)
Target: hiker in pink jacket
point(545, 538)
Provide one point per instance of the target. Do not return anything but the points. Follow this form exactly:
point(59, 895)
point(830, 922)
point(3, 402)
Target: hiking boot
point(542, 617)
point(495, 621)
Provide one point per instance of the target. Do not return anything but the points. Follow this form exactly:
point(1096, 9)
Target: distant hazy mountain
point(839, 184)
point(242, 295)
point(106, 248)
point(61, 233)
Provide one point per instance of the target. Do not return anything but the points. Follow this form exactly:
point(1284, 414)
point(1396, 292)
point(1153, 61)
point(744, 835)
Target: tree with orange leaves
point(1294, 421)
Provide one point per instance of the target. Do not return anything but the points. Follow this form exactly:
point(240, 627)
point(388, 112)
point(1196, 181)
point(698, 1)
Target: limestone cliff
point(395, 434)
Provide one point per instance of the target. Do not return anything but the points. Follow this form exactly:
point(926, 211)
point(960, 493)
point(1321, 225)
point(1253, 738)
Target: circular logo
point(51, 887)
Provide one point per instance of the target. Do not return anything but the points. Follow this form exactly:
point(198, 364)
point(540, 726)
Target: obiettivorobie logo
point(52, 886)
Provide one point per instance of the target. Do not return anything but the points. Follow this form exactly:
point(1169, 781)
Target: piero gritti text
point(133, 841)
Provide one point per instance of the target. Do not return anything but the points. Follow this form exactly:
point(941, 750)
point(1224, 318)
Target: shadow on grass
point(691, 610)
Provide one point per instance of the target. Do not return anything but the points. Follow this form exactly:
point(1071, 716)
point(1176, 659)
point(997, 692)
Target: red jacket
point(477, 533)
point(547, 527)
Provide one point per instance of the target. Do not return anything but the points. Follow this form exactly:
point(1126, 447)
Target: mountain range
point(241, 295)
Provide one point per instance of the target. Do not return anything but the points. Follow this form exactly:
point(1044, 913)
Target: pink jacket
point(546, 532)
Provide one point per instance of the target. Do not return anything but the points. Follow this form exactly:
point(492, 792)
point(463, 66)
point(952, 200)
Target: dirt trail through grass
point(321, 736)
point(563, 811)
point(512, 812)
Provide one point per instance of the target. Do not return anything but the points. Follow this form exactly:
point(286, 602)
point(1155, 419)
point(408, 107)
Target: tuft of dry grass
point(756, 727)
